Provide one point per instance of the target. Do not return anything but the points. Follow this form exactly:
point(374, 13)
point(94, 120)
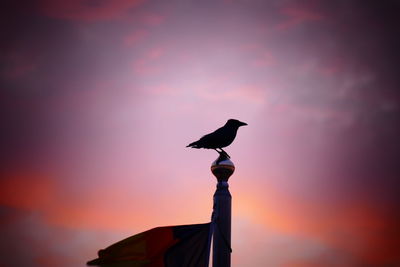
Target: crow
point(220, 138)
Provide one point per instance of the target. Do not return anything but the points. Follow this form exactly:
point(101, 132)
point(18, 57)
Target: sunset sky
point(99, 98)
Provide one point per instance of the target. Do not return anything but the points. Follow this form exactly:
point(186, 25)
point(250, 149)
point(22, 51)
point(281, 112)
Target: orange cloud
point(27, 191)
point(358, 229)
point(104, 206)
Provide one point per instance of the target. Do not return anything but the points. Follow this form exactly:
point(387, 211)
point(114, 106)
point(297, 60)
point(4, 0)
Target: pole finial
point(222, 168)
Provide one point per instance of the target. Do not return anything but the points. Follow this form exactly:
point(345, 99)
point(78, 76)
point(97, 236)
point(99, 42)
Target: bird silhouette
point(220, 138)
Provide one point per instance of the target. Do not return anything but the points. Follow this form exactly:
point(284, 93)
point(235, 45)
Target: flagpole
point(222, 168)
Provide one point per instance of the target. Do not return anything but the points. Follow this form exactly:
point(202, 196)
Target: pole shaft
point(222, 225)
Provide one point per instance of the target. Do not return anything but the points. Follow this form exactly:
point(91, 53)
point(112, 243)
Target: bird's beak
point(243, 123)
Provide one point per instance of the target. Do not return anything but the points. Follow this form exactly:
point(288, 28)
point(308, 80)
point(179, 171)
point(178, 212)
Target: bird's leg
point(222, 156)
point(224, 153)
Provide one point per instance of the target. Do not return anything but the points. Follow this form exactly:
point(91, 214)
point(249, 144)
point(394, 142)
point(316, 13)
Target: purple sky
point(98, 100)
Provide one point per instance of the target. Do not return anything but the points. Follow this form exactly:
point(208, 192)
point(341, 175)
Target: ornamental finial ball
point(222, 169)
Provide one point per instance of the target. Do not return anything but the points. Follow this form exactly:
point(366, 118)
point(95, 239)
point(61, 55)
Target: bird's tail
point(194, 145)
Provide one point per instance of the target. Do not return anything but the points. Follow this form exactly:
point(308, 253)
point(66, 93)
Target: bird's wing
point(219, 133)
point(212, 140)
point(216, 139)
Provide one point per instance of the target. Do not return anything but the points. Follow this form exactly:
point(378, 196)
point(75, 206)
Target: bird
point(220, 138)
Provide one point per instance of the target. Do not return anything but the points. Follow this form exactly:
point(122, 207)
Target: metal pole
point(222, 169)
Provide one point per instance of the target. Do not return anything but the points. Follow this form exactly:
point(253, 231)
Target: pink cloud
point(242, 93)
point(148, 63)
point(87, 10)
point(297, 15)
point(135, 37)
point(163, 89)
point(258, 54)
point(152, 19)
point(332, 66)
point(155, 53)
point(264, 59)
point(251, 46)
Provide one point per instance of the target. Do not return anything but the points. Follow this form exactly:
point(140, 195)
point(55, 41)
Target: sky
point(99, 98)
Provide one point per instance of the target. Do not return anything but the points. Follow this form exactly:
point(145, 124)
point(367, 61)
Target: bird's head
point(235, 123)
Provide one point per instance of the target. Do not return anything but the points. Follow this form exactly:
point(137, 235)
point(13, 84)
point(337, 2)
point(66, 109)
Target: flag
point(168, 246)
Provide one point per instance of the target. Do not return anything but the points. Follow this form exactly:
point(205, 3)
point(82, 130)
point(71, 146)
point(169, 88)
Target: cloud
point(259, 245)
point(356, 231)
point(241, 94)
point(18, 64)
point(87, 10)
point(39, 244)
point(264, 59)
point(149, 63)
point(135, 37)
point(298, 14)
point(152, 19)
point(26, 191)
point(320, 96)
